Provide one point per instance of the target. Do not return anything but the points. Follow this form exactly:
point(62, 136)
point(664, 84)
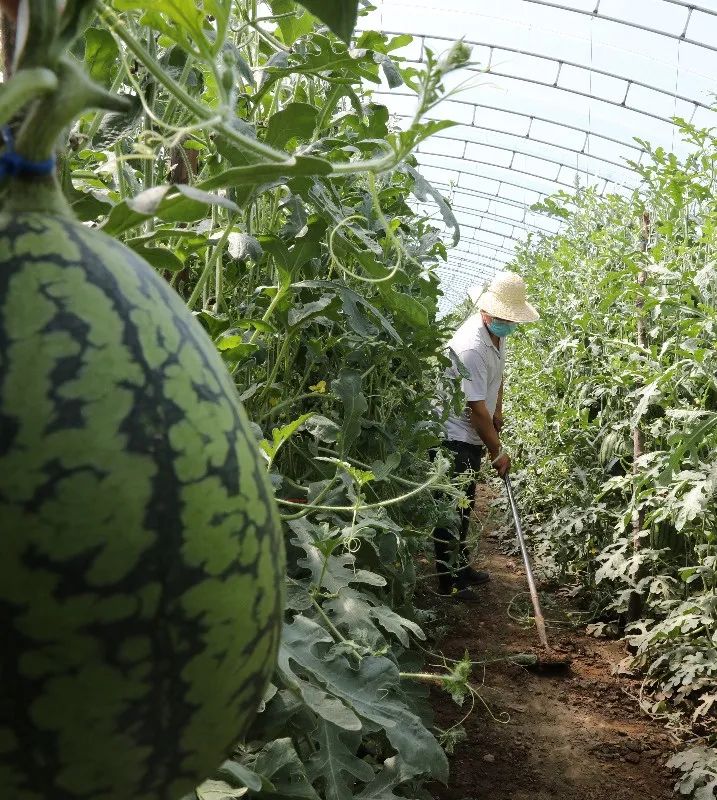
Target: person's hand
point(498, 421)
point(501, 464)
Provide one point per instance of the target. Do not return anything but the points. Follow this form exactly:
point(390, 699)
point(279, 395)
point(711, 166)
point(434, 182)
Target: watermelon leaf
point(351, 301)
point(347, 388)
point(218, 790)
point(330, 572)
point(294, 121)
point(336, 762)
point(169, 202)
point(293, 21)
point(279, 437)
point(261, 173)
point(339, 15)
point(394, 772)
point(372, 691)
point(101, 53)
point(241, 774)
point(279, 763)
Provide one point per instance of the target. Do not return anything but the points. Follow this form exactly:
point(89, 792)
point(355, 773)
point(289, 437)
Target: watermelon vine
point(583, 482)
point(142, 571)
point(228, 223)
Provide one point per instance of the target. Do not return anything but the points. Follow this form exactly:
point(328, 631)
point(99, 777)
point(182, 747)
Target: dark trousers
point(451, 552)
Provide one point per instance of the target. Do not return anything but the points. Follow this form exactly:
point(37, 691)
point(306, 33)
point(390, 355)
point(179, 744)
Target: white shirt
point(485, 363)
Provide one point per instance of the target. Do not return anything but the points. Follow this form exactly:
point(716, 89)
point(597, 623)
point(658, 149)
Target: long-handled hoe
point(548, 658)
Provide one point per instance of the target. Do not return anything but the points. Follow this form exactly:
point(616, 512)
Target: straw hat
point(505, 299)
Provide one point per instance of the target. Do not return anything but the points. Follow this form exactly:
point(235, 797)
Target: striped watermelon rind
point(141, 560)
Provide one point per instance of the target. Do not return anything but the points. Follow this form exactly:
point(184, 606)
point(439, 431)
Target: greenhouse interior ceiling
point(558, 95)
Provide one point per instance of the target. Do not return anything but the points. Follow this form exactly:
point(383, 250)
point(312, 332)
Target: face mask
point(501, 328)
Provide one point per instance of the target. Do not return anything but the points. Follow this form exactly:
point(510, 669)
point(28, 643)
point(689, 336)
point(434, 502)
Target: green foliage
point(625, 354)
point(699, 768)
point(253, 171)
point(339, 15)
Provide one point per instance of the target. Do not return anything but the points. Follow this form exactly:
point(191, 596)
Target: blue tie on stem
point(13, 165)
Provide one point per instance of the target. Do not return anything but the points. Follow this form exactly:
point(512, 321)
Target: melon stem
point(40, 130)
point(75, 94)
point(42, 195)
point(25, 86)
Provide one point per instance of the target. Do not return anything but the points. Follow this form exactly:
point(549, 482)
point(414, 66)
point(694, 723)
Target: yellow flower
point(319, 387)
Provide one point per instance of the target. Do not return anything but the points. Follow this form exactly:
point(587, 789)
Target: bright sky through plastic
point(568, 91)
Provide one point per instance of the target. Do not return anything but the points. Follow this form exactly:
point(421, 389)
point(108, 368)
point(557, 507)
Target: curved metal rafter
point(461, 282)
point(470, 192)
point(692, 6)
point(515, 223)
point(528, 137)
point(515, 151)
point(492, 198)
point(646, 28)
point(496, 251)
point(447, 189)
point(549, 121)
point(460, 190)
point(512, 171)
point(487, 244)
point(505, 236)
point(517, 234)
point(530, 227)
point(471, 276)
point(472, 243)
point(457, 290)
point(531, 117)
point(560, 63)
point(595, 98)
point(617, 90)
point(504, 201)
point(483, 267)
point(477, 258)
point(468, 255)
point(480, 261)
point(502, 256)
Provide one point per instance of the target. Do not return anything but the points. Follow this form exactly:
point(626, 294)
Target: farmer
point(479, 345)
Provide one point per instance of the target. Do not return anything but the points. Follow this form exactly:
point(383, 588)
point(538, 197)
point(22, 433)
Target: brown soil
point(577, 734)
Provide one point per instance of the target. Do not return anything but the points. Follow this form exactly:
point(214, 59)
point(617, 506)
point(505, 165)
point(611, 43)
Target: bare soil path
point(577, 735)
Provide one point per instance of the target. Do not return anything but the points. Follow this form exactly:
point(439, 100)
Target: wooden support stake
point(635, 603)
